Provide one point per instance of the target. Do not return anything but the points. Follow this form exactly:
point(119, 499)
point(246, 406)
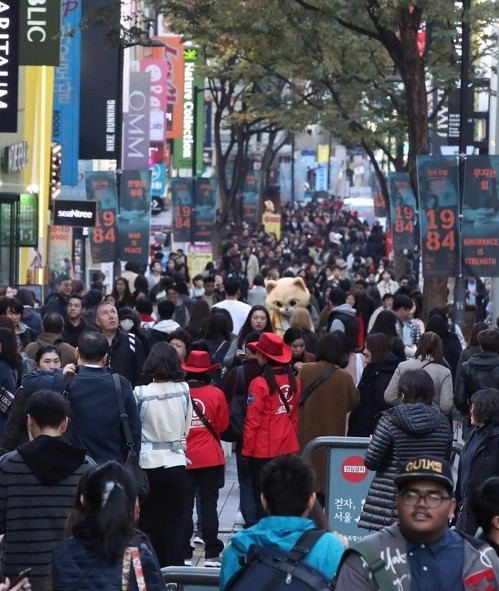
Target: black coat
point(404, 432)
point(373, 383)
point(481, 371)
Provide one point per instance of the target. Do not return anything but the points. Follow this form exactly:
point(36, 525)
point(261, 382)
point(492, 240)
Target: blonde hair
point(300, 318)
point(272, 275)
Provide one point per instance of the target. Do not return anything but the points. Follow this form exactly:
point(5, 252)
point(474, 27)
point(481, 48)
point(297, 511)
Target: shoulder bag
point(315, 384)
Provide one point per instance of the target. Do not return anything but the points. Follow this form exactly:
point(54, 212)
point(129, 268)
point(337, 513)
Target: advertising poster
point(182, 210)
point(198, 257)
point(272, 223)
point(136, 123)
point(9, 59)
point(39, 32)
point(135, 215)
point(480, 239)
point(251, 189)
point(60, 242)
point(174, 57)
point(438, 188)
point(402, 211)
point(101, 187)
point(204, 210)
point(380, 207)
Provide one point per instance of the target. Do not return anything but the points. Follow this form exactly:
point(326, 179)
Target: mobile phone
point(24, 573)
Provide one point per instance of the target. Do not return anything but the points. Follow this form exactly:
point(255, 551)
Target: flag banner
point(402, 211)
point(101, 187)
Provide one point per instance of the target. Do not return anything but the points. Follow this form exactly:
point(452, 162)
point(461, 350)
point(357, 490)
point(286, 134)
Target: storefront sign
point(402, 211)
point(9, 65)
point(135, 215)
point(158, 72)
point(182, 210)
point(101, 187)
point(137, 123)
point(28, 219)
point(174, 58)
point(480, 248)
point(39, 32)
point(438, 188)
point(68, 212)
point(15, 157)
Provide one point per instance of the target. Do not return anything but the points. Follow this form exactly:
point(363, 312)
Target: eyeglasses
point(432, 499)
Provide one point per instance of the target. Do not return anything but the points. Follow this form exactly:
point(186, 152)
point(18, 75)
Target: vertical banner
point(251, 189)
point(101, 187)
point(402, 211)
point(438, 189)
point(204, 209)
point(66, 106)
point(9, 60)
point(174, 57)
point(192, 127)
point(480, 250)
point(100, 65)
point(182, 209)
point(135, 215)
point(39, 32)
point(60, 248)
point(158, 72)
point(136, 123)
point(380, 207)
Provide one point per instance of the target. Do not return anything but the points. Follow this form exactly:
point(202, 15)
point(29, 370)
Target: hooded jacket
point(344, 319)
point(68, 353)
point(281, 532)
point(50, 469)
point(402, 432)
point(481, 371)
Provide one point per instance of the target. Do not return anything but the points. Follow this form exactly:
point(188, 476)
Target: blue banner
point(66, 109)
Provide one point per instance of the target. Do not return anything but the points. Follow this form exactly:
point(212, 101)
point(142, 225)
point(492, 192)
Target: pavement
point(228, 505)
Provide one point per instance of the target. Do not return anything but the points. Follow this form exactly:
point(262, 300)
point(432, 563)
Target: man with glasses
point(420, 552)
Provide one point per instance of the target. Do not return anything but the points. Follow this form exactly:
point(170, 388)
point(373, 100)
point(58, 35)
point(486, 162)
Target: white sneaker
point(198, 540)
point(213, 562)
point(239, 519)
point(187, 562)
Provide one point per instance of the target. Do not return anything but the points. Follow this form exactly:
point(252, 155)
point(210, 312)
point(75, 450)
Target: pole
point(292, 170)
point(194, 159)
point(460, 286)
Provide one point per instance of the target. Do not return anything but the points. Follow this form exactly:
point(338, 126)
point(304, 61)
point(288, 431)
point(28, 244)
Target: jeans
point(256, 466)
point(246, 498)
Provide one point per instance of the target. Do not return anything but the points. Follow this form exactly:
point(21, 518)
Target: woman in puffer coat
point(412, 427)
point(106, 552)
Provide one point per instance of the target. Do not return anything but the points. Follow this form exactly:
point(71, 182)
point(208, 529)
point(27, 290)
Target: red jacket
point(202, 448)
point(268, 430)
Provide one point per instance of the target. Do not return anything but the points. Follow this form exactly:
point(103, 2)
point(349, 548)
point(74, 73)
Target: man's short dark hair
point(337, 296)
point(53, 323)
point(489, 340)
point(258, 280)
point(15, 305)
point(26, 297)
point(485, 405)
point(362, 282)
point(402, 301)
point(144, 306)
point(47, 408)
point(42, 349)
point(92, 298)
point(93, 346)
point(386, 296)
point(484, 503)
point(287, 483)
point(209, 279)
point(232, 286)
point(166, 309)
point(61, 278)
point(77, 296)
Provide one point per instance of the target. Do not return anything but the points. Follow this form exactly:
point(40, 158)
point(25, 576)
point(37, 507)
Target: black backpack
point(266, 568)
point(237, 409)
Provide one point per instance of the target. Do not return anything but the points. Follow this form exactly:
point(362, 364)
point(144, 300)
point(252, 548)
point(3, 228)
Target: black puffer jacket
point(373, 383)
point(481, 371)
point(403, 433)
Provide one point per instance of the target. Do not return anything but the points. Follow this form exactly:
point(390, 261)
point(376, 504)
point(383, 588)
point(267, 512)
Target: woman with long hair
point(165, 409)
point(411, 428)
point(386, 323)
point(106, 551)
point(199, 318)
point(217, 338)
point(258, 320)
point(300, 318)
point(381, 364)
point(429, 356)
point(272, 409)
point(121, 294)
point(8, 368)
point(295, 339)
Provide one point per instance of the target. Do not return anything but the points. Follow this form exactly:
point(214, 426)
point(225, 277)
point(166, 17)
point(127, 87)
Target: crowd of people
point(152, 378)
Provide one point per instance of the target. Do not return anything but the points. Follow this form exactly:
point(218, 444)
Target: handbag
point(131, 559)
point(6, 400)
point(132, 459)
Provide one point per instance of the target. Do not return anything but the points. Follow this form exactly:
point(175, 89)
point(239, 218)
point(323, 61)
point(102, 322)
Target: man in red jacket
point(205, 474)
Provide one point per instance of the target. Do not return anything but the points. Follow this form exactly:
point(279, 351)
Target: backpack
point(267, 567)
point(237, 409)
point(27, 364)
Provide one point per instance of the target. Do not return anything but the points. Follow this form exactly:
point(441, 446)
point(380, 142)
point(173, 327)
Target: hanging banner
point(101, 187)
point(192, 121)
point(251, 189)
point(174, 57)
point(182, 210)
point(60, 248)
point(198, 257)
point(66, 105)
point(99, 85)
point(9, 68)
point(380, 207)
point(204, 210)
point(402, 211)
point(136, 123)
point(480, 239)
point(39, 32)
point(135, 215)
point(438, 189)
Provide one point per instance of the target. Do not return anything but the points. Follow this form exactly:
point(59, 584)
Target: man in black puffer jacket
point(481, 371)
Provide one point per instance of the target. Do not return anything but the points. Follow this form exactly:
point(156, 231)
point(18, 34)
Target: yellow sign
point(197, 261)
point(272, 223)
point(322, 153)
